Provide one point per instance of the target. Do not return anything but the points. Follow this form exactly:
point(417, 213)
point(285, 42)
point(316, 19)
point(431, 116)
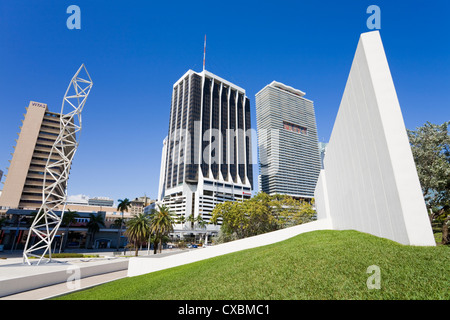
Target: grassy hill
point(316, 265)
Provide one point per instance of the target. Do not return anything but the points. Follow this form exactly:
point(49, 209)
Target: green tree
point(191, 220)
point(243, 219)
point(96, 221)
point(201, 224)
point(69, 217)
point(118, 222)
point(260, 214)
point(232, 218)
point(138, 230)
point(430, 146)
point(123, 206)
point(181, 220)
point(161, 224)
point(290, 212)
point(441, 222)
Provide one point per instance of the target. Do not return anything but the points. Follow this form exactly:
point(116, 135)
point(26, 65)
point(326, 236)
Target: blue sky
point(135, 51)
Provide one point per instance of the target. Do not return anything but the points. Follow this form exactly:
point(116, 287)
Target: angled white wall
point(369, 182)
point(143, 265)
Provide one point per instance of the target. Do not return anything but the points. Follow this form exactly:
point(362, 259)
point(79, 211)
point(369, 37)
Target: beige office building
point(24, 180)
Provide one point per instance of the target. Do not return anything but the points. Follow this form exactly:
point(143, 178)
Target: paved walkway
point(12, 267)
point(62, 288)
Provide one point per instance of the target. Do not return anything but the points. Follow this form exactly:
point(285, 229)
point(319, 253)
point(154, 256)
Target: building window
point(294, 128)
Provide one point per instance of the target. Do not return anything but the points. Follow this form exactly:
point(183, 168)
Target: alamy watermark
point(230, 146)
point(374, 21)
point(374, 280)
point(73, 281)
point(74, 20)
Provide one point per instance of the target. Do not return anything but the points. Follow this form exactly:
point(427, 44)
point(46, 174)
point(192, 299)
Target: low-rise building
point(101, 201)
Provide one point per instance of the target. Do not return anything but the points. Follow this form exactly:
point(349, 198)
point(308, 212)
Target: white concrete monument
point(369, 182)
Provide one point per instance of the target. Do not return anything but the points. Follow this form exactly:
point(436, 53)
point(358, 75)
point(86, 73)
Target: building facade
point(101, 201)
point(15, 230)
point(22, 192)
point(323, 152)
point(208, 147)
point(24, 181)
point(162, 172)
point(288, 151)
point(80, 199)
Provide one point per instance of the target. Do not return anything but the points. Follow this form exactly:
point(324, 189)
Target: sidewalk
point(111, 252)
point(19, 281)
point(62, 288)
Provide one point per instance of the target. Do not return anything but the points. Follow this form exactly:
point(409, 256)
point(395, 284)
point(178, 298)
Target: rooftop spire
point(204, 53)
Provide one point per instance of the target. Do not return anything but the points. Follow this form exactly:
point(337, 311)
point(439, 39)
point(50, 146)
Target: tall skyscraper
point(322, 151)
point(24, 181)
point(162, 172)
point(1, 176)
point(287, 141)
point(208, 146)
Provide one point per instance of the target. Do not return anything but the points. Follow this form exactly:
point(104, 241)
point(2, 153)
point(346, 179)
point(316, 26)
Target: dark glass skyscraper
point(208, 151)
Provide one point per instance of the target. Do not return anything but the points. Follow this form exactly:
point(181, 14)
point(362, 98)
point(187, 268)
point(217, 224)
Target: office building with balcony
point(25, 178)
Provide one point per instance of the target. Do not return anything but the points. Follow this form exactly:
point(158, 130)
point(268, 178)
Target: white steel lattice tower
point(56, 174)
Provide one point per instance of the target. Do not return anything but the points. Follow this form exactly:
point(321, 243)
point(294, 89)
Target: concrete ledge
point(143, 265)
point(15, 278)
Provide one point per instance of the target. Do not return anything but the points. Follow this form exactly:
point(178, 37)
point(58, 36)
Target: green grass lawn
point(316, 265)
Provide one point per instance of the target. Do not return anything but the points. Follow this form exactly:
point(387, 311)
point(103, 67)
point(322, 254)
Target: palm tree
point(94, 224)
point(181, 220)
point(138, 230)
point(162, 222)
point(68, 218)
point(117, 223)
point(191, 219)
point(201, 223)
point(124, 205)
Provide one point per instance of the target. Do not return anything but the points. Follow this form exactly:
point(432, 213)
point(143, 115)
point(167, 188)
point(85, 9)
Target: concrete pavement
point(62, 288)
point(63, 275)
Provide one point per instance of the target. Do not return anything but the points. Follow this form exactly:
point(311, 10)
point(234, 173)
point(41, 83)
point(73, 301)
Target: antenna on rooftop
point(204, 54)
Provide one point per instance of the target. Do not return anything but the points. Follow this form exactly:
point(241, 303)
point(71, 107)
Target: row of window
point(294, 128)
point(219, 184)
point(49, 133)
